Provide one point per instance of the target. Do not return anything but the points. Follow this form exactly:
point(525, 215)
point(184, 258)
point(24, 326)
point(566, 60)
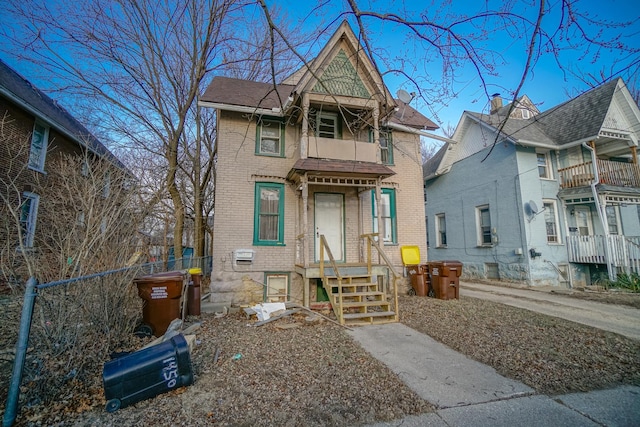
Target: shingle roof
point(13, 85)
point(408, 116)
point(431, 166)
point(342, 166)
point(246, 93)
point(573, 120)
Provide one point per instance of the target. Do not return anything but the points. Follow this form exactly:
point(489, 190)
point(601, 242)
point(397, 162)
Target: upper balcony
point(340, 149)
point(617, 174)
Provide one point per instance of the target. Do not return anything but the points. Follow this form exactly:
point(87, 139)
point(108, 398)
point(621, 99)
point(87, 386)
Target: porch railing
point(618, 174)
point(372, 243)
point(324, 246)
point(625, 251)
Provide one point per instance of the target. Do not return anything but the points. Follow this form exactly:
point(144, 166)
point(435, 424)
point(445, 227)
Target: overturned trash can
point(161, 293)
point(445, 278)
point(147, 373)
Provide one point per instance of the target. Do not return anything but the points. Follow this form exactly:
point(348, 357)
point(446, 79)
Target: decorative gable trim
point(341, 78)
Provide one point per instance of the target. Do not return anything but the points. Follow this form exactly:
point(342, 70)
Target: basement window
point(277, 287)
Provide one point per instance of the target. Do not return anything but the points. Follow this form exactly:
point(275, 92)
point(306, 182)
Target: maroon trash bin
point(161, 293)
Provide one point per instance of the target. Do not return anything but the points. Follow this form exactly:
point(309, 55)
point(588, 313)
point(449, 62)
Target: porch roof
point(349, 168)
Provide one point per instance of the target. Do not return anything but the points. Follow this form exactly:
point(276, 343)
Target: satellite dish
point(533, 207)
point(404, 96)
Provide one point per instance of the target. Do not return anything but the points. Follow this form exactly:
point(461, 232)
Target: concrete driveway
point(609, 317)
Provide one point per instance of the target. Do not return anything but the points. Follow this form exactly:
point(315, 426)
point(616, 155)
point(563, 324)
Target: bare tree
point(140, 65)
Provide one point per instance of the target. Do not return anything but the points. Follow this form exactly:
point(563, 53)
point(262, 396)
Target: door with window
point(588, 246)
point(329, 221)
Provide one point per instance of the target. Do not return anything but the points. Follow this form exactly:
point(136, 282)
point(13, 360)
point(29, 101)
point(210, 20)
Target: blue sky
point(547, 85)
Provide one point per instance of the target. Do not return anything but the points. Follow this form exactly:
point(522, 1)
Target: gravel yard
point(294, 373)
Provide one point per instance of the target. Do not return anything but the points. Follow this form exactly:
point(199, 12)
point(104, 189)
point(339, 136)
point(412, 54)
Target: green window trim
point(392, 220)
point(386, 151)
point(268, 220)
point(263, 125)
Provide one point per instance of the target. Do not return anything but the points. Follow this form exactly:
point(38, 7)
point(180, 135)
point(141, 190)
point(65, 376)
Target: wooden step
point(356, 304)
point(350, 316)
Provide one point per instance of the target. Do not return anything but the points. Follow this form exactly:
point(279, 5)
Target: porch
point(625, 251)
point(617, 174)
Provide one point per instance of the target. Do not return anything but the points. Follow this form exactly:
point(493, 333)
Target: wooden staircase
point(357, 300)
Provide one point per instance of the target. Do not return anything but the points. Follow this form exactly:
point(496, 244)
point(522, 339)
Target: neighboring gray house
point(546, 198)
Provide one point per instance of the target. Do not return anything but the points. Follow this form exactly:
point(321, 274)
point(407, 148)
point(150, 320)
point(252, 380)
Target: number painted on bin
point(170, 372)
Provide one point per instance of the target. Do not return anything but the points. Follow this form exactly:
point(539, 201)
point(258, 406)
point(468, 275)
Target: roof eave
point(48, 120)
point(276, 111)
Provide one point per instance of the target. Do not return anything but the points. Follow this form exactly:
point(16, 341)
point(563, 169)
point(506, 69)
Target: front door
point(583, 220)
point(329, 221)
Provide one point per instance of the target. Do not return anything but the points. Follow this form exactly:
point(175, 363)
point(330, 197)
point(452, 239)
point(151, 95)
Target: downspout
point(601, 214)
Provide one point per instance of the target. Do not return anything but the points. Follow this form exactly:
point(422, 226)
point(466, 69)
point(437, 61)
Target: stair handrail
point(325, 246)
point(372, 242)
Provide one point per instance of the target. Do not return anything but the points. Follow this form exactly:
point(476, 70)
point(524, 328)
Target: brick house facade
point(312, 156)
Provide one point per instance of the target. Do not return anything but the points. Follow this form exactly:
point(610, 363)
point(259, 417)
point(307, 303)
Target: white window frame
point(441, 219)
point(29, 230)
point(276, 128)
point(271, 295)
point(480, 227)
point(550, 206)
point(38, 155)
point(547, 165)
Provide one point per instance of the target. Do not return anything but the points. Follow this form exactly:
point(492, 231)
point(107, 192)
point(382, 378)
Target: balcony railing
point(342, 149)
point(625, 251)
point(617, 174)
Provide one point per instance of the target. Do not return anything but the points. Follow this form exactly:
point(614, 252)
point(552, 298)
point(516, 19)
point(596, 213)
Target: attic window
point(525, 113)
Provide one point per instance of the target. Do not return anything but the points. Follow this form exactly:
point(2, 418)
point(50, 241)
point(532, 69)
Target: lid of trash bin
point(410, 255)
point(161, 277)
point(195, 271)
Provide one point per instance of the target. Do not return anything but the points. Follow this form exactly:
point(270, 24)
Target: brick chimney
point(496, 103)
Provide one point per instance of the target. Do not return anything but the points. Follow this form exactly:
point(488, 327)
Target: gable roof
point(20, 91)
point(580, 119)
point(247, 93)
point(430, 167)
point(344, 55)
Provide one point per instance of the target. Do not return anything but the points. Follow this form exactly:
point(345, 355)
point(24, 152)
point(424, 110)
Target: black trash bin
point(147, 373)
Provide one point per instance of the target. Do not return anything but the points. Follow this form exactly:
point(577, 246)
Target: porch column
point(305, 237)
point(376, 131)
point(305, 126)
point(634, 155)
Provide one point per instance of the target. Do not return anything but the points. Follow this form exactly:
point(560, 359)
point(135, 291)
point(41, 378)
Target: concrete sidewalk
point(468, 393)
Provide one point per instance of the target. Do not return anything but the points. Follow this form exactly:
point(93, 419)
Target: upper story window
point(387, 214)
point(270, 137)
point(268, 219)
point(28, 216)
point(327, 125)
point(551, 221)
point(525, 113)
point(39, 142)
point(386, 145)
point(483, 221)
point(106, 184)
point(441, 231)
point(544, 169)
